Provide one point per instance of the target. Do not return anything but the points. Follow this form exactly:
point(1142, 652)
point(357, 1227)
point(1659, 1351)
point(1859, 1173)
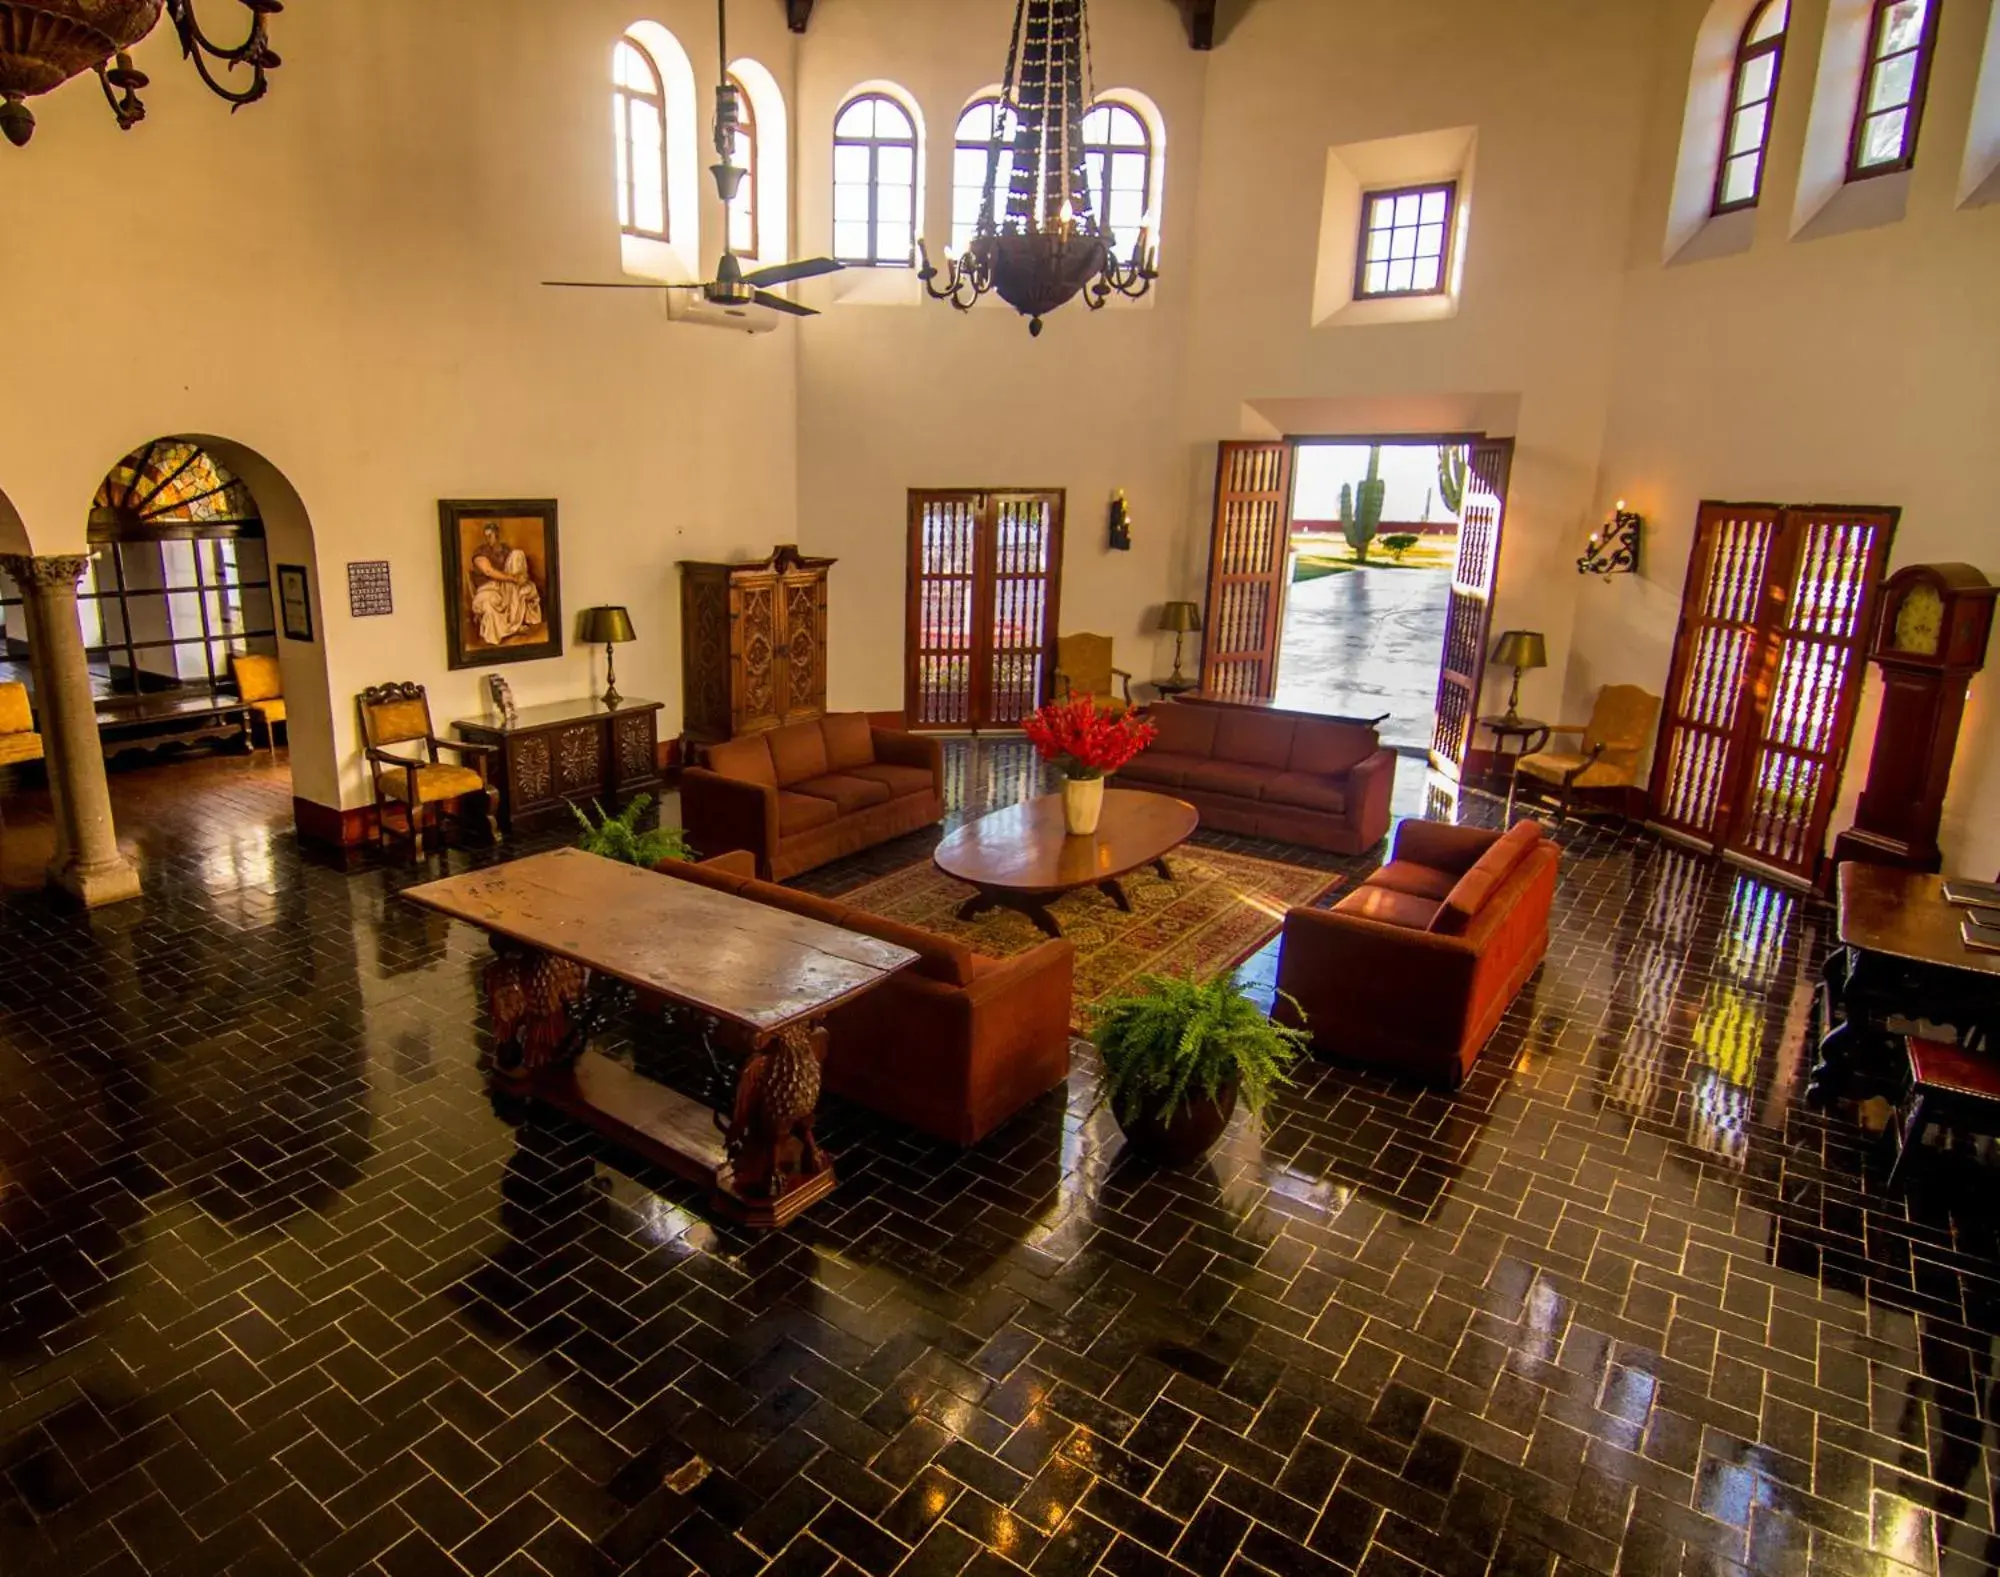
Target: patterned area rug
point(1219, 909)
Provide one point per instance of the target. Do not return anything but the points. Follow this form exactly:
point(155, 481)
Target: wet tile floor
point(279, 1291)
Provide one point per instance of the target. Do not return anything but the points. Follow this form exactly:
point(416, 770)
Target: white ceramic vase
point(1083, 803)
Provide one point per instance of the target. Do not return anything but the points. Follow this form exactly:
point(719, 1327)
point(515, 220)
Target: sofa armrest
point(1056, 957)
point(736, 862)
point(1371, 785)
point(723, 814)
point(1442, 846)
point(1341, 966)
point(911, 750)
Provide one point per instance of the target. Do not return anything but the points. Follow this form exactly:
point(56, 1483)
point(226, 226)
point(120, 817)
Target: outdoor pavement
point(1367, 642)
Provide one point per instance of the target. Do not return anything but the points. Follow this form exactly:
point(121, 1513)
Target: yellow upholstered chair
point(1608, 752)
point(18, 740)
point(1083, 667)
point(413, 780)
point(259, 682)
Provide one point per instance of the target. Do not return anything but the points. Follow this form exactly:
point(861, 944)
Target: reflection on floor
point(1367, 642)
point(279, 1291)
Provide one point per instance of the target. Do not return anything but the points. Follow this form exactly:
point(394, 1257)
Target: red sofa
point(953, 1045)
point(810, 792)
point(1319, 781)
point(1412, 970)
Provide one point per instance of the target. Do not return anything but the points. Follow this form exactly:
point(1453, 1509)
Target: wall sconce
point(1613, 548)
point(1121, 523)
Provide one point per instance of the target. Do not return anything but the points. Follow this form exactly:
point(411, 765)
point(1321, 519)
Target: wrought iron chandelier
point(1041, 242)
point(43, 43)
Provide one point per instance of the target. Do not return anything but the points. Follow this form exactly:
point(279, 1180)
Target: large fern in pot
point(619, 838)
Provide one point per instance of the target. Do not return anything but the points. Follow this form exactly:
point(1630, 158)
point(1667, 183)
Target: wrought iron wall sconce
point(1121, 522)
point(1613, 548)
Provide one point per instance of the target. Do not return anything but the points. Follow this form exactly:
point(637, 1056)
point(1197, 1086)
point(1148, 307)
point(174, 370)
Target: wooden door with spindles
point(985, 575)
point(1249, 560)
point(1766, 677)
point(1469, 614)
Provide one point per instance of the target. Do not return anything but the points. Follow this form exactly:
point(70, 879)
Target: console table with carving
point(569, 752)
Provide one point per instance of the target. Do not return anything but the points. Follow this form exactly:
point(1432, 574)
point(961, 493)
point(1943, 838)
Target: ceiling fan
point(731, 287)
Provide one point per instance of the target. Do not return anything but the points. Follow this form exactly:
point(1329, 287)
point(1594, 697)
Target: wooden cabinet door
point(756, 623)
point(801, 639)
point(1249, 560)
point(579, 753)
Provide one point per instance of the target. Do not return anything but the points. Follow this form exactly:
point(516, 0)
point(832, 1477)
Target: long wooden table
point(575, 934)
point(1900, 954)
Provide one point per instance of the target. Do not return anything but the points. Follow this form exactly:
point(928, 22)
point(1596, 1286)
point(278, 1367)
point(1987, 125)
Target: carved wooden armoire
point(753, 644)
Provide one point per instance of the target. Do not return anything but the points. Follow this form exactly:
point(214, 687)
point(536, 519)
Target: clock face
point(1920, 622)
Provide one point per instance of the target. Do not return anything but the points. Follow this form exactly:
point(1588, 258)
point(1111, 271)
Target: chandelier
point(43, 43)
point(1039, 242)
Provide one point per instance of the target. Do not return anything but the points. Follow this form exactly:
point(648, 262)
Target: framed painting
point(502, 581)
point(294, 603)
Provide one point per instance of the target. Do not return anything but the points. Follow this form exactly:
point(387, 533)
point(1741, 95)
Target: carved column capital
point(45, 569)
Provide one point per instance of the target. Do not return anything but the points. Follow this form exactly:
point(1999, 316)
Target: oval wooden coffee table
point(1022, 858)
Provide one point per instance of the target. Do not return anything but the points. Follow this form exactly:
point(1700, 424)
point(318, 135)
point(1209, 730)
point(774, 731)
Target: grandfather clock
point(1930, 641)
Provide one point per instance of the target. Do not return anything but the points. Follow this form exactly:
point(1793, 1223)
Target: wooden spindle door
point(1249, 567)
point(1766, 677)
point(985, 581)
point(1469, 616)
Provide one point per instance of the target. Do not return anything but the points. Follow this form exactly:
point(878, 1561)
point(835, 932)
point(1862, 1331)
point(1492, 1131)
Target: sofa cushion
point(1335, 749)
point(703, 875)
point(1168, 768)
point(802, 812)
point(798, 751)
point(850, 742)
point(1470, 893)
point(1234, 778)
point(1308, 791)
point(1258, 739)
point(902, 781)
point(939, 958)
point(1183, 730)
point(1390, 907)
point(848, 794)
point(748, 760)
point(1420, 881)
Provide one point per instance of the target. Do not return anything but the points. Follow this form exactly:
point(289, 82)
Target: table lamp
point(609, 625)
point(1520, 650)
point(1184, 619)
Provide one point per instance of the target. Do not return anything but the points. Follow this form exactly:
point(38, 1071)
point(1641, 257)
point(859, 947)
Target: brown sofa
point(1412, 970)
point(1320, 781)
point(810, 792)
point(955, 1044)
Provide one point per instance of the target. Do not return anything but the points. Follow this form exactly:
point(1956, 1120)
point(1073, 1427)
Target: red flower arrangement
point(1086, 742)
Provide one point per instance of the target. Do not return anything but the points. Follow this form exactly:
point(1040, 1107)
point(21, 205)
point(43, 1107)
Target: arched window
point(743, 211)
point(1739, 176)
point(1118, 163)
point(639, 130)
point(874, 182)
point(968, 169)
point(1900, 36)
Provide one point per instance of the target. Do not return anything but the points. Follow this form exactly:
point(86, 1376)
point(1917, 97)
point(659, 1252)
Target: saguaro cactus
point(1451, 476)
point(1361, 509)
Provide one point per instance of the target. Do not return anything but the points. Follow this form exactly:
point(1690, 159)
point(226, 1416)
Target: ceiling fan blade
point(614, 284)
point(785, 273)
point(764, 298)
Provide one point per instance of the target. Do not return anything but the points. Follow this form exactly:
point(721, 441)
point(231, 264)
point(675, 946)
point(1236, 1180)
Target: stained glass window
point(1753, 88)
point(874, 183)
point(1405, 241)
point(1891, 107)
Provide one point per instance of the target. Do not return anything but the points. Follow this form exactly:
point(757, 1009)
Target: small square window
point(1405, 243)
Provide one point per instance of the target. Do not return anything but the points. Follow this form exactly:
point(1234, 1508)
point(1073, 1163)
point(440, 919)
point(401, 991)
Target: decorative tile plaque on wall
point(368, 588)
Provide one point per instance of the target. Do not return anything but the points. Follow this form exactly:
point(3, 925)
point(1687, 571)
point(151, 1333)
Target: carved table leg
point(1115, 891)
point(1165, 870)
point(776, 1167)
point(534, 1001)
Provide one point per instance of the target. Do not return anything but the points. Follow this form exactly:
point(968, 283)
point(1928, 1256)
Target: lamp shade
point(1182, 618)
point(1521, 649)
point(608, 624)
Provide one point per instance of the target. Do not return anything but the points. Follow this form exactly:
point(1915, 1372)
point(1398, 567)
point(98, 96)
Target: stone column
point(87, 863)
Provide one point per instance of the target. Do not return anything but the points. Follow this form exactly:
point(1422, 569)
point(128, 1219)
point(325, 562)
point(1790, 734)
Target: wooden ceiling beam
point(798, 13)
point(1200, 18)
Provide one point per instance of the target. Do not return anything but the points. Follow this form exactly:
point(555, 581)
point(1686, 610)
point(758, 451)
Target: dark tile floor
point(280, 1292)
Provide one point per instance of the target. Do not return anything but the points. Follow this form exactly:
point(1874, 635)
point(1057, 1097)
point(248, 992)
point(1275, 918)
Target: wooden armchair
point(1612, 742)
point(1083, 667)
point(259, 682)
point(400, 714)
point(18, 740)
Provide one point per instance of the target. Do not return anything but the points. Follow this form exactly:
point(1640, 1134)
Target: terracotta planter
point(1187, 1135)
point(1083, 803)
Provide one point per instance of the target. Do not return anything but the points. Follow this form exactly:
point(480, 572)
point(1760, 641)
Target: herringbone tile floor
point(280, 1291)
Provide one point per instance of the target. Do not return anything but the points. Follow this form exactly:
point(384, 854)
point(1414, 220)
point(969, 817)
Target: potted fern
point(1179, 1053)
point(619, 838)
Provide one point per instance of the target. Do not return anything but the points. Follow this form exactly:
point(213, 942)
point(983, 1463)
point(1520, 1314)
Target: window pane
point(1757, 77)
point(177, 560)
point(1746, 133)
point(1409, 208)
point(1376, 280)
point(623, 146)
point(630, 68)
point(850, 205)
point(893, 202)
point(850, 240)
point(893, 242)
point(257, 616)
point(1381, 213)
point(1739, 179)
point(1902, 26)
point(1403, 242)
point(890, 121)
point(1430, 241)
point(1378, 245)
point(1400, 273)
point(1433, 208)
point(1882, 138)
point(1426, 273)
point(1770, 22)
point(976, 124)
point(1894, 82)
point(857, 120)
point(896, 166)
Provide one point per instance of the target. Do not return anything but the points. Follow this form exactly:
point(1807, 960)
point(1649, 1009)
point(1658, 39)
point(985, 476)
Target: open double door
point(1249, 573)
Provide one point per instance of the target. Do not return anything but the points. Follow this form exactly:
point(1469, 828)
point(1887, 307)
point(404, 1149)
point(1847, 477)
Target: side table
point(1167, 689)
point(1529, 735)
